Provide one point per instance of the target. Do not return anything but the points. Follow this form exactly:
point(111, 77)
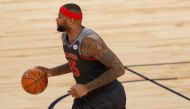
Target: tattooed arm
point(94, 46)
point(55, 71)
point(59, 70)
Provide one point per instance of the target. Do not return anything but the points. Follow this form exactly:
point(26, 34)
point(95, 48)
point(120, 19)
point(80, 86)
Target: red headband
point(70, 14)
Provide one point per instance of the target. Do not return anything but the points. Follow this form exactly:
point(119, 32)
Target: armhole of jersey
point(82, 56)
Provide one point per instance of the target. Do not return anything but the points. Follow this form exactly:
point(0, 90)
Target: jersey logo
point(75, 47)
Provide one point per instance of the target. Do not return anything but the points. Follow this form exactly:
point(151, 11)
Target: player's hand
point(78, 90)
point(47, 70)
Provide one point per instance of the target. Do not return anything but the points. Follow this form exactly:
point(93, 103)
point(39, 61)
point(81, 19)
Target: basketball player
point(94, 66)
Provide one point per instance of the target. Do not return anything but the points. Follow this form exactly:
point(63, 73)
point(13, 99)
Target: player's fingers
point(77, 96)
point(73, 93)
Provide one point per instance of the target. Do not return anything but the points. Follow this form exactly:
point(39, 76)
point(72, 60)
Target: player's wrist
point(87, 88)
point(51, 72)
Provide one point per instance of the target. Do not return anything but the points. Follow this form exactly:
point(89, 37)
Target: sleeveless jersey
point(84, 69)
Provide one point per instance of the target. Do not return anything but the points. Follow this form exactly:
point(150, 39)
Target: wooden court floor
point(151, 37)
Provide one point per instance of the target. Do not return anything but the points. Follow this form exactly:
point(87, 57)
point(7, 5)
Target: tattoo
point(62, 69)
point(94, 46)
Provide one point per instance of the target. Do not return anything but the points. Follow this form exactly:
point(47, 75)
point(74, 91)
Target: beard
point(61, 28)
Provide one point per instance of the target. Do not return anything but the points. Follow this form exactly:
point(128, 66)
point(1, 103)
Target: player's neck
point(73, 33)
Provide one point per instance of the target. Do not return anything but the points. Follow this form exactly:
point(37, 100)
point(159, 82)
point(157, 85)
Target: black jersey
point(84, 69)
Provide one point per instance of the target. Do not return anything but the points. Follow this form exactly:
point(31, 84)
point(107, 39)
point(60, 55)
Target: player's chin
point(60, 29)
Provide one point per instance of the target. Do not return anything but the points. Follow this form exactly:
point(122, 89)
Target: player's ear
point(70, 20)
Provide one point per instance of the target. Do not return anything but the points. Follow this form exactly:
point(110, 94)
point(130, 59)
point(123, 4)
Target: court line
point(159, 64)
point(156, 79)
point(146, 78)
point(51, 106)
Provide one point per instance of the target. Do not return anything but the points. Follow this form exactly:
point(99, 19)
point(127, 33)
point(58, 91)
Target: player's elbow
point(121, 71)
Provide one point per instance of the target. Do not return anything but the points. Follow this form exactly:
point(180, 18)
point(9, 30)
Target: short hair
point(73, 7)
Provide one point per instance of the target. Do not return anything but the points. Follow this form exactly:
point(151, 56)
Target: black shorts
point(111, 96)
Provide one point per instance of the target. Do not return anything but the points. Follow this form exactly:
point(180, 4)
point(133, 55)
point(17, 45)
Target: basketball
point(34, 81)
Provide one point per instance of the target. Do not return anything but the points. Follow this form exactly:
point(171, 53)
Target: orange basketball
point(34, 81)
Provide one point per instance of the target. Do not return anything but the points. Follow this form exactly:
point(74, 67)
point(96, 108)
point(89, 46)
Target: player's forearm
point(59, 70)
point(105, 78)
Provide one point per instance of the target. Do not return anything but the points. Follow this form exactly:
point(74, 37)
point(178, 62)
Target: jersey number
point(75, 70)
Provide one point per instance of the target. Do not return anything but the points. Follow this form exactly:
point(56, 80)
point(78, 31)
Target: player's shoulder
point(91, 37)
